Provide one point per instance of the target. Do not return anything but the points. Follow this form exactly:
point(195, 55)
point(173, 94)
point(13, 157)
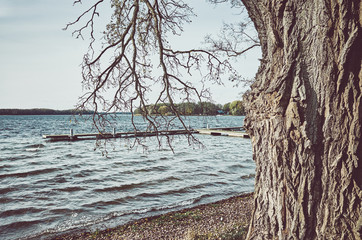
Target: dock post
point(114, 132)
point(71, 134)
point(207, 126)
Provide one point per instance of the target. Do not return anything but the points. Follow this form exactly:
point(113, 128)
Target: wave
point(35, 146)
point(59, 211)
point(70, 156)
point(130, 183)
point(150, 210)
point(136, 185)
point(84, 173)
point(6, 129)
point(100, 204)
point(5, 199)
point(145, 170)
point(209, 174)
point(183, 203)
point(167, 179)
point(235, 167)
point(7, 148)
point(120, 188)
point(45, 194)
point(30, 173)
point(7, 190)
point(20, 211)
point(60, 179)
point(32, 149)
point(6, 135)
point(85, 221)
point(151, 169)
point(16, 157)
point(13, 227)
point(70, 189)
point(249, 176)
point(173, 191)
point(157, 194)
point(5, 166)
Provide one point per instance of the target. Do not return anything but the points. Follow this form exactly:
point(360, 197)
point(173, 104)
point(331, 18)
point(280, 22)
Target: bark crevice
point(304, 117)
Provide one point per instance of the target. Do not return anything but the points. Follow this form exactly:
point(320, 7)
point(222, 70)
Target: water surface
point(47, 188)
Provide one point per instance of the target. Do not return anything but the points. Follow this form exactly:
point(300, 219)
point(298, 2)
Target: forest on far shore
point(234, 108)
point(41, 111)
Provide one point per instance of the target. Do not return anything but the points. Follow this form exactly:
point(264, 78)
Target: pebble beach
point(225, 219)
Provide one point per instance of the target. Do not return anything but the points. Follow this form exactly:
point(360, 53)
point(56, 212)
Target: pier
point(229, 132)
point(226, 131)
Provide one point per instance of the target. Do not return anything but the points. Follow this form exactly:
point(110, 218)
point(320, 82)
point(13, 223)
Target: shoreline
point(224, 219)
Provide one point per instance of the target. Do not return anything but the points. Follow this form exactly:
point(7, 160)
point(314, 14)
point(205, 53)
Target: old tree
point(304, 109)
point(305, 114)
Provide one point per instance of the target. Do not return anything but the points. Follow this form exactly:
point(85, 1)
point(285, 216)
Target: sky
point(40, 62)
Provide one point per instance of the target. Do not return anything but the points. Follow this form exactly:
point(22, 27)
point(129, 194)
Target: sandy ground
point(226, 219)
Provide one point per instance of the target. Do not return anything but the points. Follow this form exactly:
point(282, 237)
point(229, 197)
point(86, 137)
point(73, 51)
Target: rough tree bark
point(304, 116)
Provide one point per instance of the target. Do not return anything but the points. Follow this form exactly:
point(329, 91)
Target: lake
point(48, 188)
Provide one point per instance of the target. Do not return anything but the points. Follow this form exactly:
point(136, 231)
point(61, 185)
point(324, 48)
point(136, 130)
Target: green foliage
point(163, 110)
point(188, 108)
point(236, 108)
point(226, 107)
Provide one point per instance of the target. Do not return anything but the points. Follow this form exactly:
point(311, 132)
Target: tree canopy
point(136, 57)
point(303, 111)
point(235, 108)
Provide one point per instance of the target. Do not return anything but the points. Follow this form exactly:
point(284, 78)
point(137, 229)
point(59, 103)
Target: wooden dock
point(229, 131)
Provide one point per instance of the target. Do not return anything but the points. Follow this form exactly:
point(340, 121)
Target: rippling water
point(47, 188)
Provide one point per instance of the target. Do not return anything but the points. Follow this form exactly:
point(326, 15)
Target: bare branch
point(136, 57)
point(89, 24)
point(234, 39)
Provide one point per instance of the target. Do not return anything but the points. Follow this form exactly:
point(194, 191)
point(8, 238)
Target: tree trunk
point(304, 116)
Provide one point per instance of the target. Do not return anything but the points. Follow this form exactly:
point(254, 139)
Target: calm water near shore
point(47, 188)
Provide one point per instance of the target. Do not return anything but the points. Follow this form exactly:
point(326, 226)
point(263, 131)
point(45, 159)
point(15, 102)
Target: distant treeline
point(235, 108)
point(202, 108)
point(41, 111)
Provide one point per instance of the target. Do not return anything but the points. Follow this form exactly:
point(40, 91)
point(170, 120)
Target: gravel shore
point(225, 219)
